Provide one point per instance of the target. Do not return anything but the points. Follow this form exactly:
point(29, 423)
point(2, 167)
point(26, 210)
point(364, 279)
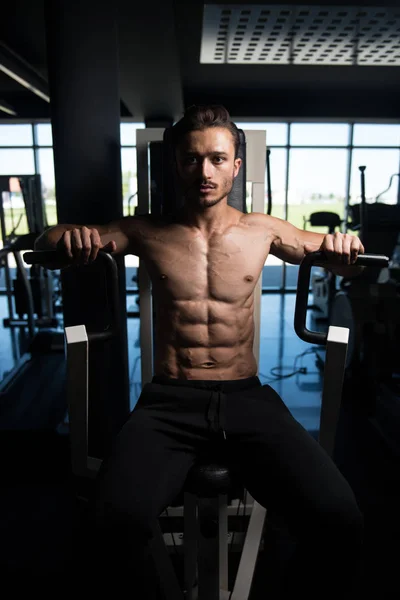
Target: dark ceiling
point(160, 70)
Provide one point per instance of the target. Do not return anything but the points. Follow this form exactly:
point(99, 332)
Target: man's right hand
point(82, 245)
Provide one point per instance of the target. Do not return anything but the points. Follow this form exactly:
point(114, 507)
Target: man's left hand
point(339, 248)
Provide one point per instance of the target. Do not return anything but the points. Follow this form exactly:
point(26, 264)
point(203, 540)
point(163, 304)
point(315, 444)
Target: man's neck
point(209, 220)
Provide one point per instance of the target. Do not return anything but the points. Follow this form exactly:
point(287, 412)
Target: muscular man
point(205, 395)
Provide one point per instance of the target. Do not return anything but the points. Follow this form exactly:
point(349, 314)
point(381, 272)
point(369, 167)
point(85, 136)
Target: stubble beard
point(195, 199)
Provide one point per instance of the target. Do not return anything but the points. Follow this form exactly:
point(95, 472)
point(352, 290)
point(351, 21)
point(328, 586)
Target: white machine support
point(143, 139)
point(77, 354)
point(335, 365)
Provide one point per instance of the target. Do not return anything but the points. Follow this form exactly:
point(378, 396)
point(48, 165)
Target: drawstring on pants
point(216, 410)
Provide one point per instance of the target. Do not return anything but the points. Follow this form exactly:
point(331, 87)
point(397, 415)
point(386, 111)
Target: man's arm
point(291, 245)
point(81, 243)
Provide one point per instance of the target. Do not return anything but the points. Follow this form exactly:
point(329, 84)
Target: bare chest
point(224, 268)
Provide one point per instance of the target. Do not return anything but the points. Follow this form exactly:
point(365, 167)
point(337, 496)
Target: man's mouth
point(206, 188)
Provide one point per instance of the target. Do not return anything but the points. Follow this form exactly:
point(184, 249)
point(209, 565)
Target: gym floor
point(39, 513)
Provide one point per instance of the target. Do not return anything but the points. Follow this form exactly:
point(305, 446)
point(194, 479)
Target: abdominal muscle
point(190, 346)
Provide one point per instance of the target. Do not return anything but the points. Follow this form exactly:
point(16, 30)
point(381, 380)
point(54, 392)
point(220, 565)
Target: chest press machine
point(205, 548)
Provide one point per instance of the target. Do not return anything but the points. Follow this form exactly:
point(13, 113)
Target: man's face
point(207, 166)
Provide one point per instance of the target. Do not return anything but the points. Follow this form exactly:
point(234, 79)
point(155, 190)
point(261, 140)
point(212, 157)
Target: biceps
point(288, 248)
point(120, 238)
point(286, 254)
point(128, 234)
point(113, 233)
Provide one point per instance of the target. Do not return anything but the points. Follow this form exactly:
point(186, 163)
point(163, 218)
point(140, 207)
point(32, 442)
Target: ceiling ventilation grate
point(300, 35)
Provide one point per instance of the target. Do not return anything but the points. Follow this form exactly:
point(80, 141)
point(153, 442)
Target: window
point(16, 135)
point(380, 165)
point(319, 134)
point(317, 182)
point(128, 164)
point(17, 161)
point(323, 160)
point(44, 134)
point(128, 133)
point(46, 170)
point(276, 132)
point(376, 135)
point(277, 162)
point(129, 180)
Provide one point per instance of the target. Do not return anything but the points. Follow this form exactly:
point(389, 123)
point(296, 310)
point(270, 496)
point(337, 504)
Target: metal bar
point(165, 569)
point(248, 559)
point(269, 190)
point(5, 107)
point(208, 556)
point(35, 149)
point(303, 286)
point(18, 69)
point(232, 509)
point(190, 535)
point(285, 215)
point(7, 274)
point(363, 207)
point(28, 293)
point(348, 181)
point(223, 541)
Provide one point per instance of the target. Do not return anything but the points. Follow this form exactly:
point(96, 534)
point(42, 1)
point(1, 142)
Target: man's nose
point(206, 168)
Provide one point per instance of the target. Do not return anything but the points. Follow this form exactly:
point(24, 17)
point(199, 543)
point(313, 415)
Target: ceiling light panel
point(255, 34)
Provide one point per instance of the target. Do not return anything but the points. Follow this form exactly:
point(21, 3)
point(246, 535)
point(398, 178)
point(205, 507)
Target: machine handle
point(303, 286)
point(45, 257)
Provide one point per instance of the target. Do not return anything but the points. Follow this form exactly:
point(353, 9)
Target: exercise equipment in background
point(370, 303)
point(323, 281)
point(369, 306)
point(28, 397)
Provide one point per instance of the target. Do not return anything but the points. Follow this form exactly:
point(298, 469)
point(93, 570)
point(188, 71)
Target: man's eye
point(191, 160)
point(219, 158)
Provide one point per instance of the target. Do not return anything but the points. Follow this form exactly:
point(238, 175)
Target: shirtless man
point(205, 395)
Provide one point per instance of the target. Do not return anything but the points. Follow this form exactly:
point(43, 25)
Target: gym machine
point(370, 306)
point(378, 225)
point(205, 510)
point(30, 300)
point(38, 354)
point(370, 303)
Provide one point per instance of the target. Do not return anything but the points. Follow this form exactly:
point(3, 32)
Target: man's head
point(206, 144)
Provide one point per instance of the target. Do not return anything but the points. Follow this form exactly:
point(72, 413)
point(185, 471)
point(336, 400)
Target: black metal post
point(85, 112)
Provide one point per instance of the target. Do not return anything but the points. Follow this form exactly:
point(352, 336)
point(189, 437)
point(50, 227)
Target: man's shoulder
point(271, 227)
point(155, 218)
point(146, 219)
point(255, 219)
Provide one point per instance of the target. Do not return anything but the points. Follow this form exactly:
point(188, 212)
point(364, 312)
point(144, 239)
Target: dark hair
point(197, 118)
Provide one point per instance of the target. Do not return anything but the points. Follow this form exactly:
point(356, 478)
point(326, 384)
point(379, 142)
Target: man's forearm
point(49, 239)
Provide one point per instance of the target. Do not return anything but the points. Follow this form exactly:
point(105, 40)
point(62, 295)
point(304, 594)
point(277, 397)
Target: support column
point(85, 112)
